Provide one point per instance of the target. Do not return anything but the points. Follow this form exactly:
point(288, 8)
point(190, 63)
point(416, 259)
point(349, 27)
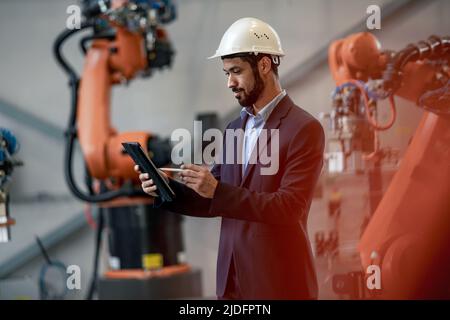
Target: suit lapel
point(273, 122)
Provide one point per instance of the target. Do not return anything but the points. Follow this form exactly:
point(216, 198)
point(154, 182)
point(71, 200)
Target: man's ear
point(265, 65)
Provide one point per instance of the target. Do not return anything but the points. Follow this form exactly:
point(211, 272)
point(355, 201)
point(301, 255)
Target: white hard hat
point(249, 35)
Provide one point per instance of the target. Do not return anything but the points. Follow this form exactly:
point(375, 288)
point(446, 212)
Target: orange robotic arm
point(359, 57)
point(107, 62)
point(408, 236)
point(127, 41)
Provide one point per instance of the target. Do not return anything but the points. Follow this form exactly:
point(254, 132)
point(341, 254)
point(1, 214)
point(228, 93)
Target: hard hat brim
point(217, 55)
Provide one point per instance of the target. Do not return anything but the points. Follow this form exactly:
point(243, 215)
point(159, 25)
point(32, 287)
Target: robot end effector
point(365, 75)
point(111, 18)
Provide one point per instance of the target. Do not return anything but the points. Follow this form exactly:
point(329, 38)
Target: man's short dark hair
point(253, 60)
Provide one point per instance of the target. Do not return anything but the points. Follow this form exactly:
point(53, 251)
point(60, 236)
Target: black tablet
point(146, 165)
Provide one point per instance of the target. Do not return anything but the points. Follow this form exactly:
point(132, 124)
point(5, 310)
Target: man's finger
point(137, 169)
point(193, 186)
point(189, 173)
point(190, 180)
point(147, 183)
point(143, 177)
point(149, 189)
point(192, 167)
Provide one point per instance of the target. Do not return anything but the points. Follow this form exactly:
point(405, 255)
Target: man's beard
point(250, 99)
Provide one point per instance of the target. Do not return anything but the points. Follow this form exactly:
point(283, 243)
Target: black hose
point(68, 171)
point(98, 242)
point(434, 47)
point(73, 77)
point(88, 179)
point(62, 37)
point(125, 191)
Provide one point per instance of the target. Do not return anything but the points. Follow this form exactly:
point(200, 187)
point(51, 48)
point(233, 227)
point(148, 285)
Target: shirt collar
point(265, 112)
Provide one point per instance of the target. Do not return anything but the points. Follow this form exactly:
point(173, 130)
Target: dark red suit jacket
point(264, 217)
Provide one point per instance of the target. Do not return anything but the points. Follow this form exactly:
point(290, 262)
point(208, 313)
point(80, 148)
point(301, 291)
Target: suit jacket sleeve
point(292, 200)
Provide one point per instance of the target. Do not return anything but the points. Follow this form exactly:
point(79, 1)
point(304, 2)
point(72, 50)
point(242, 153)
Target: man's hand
point(199, 179)
point(147, 183)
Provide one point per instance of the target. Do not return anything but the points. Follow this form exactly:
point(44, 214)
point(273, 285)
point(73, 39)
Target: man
point(264, 251)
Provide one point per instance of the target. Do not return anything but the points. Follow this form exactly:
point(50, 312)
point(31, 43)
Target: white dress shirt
point(254, 125)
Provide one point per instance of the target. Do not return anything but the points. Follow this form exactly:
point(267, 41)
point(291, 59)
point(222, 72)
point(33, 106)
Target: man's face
point(245, 84)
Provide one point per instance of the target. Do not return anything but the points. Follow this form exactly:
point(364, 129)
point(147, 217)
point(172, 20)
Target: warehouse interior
point(35, 106)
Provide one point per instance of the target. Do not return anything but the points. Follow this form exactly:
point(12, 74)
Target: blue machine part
point(11, 145)
point(169, 7)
